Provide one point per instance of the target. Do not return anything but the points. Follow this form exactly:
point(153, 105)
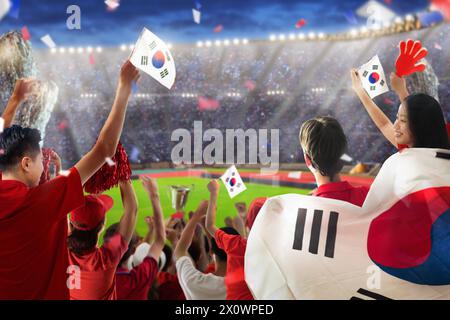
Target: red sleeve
point(114, 249)
point(145, 273)
point(231, 244)
point(58, 197)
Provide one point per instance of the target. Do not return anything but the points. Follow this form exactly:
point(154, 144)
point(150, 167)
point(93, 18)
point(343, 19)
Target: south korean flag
point(233, 182)
point(152, 56)
point(373, 78)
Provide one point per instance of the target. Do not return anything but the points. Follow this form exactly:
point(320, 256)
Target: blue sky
point(172, 19)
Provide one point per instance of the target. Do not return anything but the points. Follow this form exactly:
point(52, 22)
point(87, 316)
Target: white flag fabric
point(394, 247)
point(376, 13)
point(48, 41)
point(373, 78)
point(5, 6)
point(196, 15)
point(233, 182)
point(152, 56)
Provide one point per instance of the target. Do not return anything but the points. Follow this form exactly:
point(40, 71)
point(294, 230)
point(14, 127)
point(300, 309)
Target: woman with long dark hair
point(420, 121)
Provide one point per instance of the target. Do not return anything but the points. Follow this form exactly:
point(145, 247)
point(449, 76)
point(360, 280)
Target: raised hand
point(23, 88)
point(128, 75)
point(411, 52)
point(150, 186)
point(213, 187)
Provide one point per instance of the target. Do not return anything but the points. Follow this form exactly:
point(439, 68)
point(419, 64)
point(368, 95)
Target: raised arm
point(213, 188)
point(398, 84)
point(108, 138)
point(158, 221)
point(376, 114)
point(127, 223)
point(188, 233)
point(151, 228)
point(22, 89)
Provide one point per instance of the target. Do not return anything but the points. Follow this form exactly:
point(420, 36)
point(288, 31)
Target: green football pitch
point(225, 205)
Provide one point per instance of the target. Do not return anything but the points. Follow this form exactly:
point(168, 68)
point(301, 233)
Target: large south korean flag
point(152, 56)
point(394, 247)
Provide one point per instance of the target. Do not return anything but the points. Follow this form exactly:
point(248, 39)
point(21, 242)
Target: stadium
point(243, 83)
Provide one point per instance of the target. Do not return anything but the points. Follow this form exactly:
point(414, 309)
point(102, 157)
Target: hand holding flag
point(411, 52)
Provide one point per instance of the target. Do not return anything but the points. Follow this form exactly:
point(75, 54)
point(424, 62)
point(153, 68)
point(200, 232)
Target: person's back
point(323, 142)
point(33, 221)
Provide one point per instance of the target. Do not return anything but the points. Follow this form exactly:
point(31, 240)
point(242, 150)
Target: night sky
point(172, 19)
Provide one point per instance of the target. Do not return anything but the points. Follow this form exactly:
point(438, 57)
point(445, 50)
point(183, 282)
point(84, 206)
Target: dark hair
point(113, 230)
point(16, 143)
point(221, 254)
point(83, 241)
point(195, 251)
point(169, 253)
point(324, 143)
point(426, 122)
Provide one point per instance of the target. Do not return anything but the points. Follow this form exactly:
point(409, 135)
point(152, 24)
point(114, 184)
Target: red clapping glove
point(411, 52)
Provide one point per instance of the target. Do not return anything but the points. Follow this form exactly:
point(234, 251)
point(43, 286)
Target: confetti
point(48, 41)
point(64, 173)
point(218, 28)
point(112, 4)
point(63, 125)
point(25, 34)
point(110, 162)
point(91, 59)
point(2, 124)
point(300, 23)
point(437, 46)
point(250, 85)
point(295, 174)
point(207, 104)
point(196, 15)
point(346, 158)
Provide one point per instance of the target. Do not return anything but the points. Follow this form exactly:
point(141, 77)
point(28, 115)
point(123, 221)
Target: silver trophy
point(179, 196)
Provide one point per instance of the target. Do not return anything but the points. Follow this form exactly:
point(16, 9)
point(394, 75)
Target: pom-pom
point(108, 176)
point(46, 162)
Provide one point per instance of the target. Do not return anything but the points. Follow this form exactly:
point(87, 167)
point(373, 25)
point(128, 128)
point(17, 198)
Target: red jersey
point(98, 270)
point(234, 246)
point(169, 288)
point(343, 191)
point(33, 237)
point(135, 284)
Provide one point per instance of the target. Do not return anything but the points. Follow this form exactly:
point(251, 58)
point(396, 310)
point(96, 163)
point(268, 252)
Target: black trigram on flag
point(315, 232)
point(365, 73)
point(168, 56)
point(373, 88)
point(369, 294)
point(144, 60)
point(382, 82)
point(375, 67)
point(152, 45)
point(164, 73)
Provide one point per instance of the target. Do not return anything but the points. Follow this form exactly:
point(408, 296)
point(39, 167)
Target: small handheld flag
point(5, 6)
point(233, 182)
point(373, 78)
point(152, 56)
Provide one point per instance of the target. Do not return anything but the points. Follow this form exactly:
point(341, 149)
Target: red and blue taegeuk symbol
point(158, 59)
point(374, 77)
point(411, 240)
point(232, 182)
